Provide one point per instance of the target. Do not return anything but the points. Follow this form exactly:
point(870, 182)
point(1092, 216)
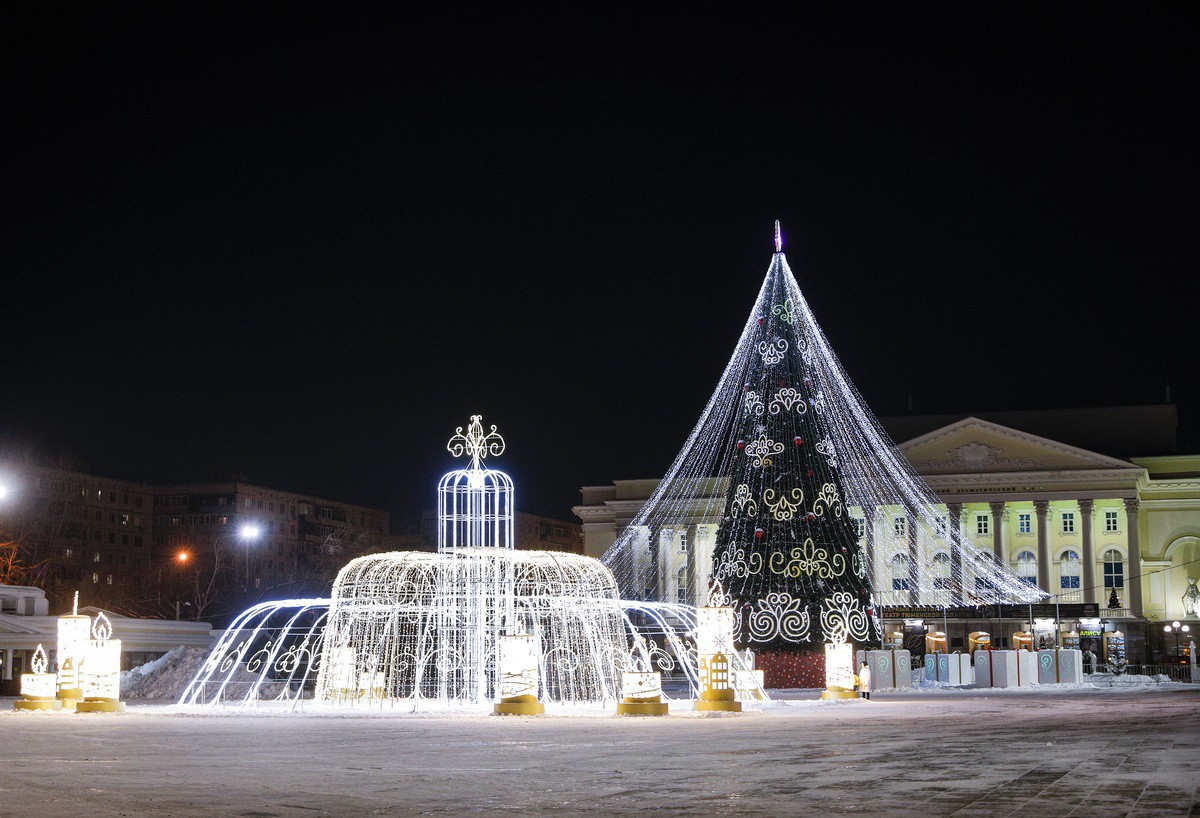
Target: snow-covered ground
point(1084, 750)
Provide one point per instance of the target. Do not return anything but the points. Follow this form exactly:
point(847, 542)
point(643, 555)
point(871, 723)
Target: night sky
point(301, 244)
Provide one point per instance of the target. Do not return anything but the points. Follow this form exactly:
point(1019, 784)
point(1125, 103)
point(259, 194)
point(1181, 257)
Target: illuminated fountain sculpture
point(475, 624)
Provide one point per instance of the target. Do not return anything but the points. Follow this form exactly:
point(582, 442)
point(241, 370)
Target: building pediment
point(974, 446)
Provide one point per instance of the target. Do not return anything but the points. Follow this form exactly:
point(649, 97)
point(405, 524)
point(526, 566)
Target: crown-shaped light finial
point(474, 443)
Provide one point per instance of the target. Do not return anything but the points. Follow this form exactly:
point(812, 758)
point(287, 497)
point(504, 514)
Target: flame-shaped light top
point(101, 628)
point(474, 443)
point(39, 662)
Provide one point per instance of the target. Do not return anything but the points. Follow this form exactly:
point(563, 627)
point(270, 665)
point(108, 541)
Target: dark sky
point(302, 244)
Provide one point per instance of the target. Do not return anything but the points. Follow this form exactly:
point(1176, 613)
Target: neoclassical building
point(1109, 537)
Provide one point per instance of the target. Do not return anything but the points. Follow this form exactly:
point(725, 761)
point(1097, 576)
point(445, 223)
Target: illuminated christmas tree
point(788, 556)
point(797, 474)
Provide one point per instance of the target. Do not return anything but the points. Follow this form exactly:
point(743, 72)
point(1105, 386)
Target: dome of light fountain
point(416, 624)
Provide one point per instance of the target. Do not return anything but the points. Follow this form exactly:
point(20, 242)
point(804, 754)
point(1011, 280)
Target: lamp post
point(249, 533)
point(1176, 629)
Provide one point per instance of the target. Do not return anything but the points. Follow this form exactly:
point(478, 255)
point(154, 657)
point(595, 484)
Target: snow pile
point(165, 677)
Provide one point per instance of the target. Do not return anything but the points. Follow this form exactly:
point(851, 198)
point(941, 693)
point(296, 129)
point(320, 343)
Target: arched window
point(1027, 567)
point(1069, 571)
point(941, 570)
point(1114, 570)
point(899, 566)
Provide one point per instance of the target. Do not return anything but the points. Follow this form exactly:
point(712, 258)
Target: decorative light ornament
point(38, 688)
point(642, 692)
point(714, 650)
point(74, 631)
point(838, 442)
point(100, 674)
point(839, 672)
point(518, 676)
point(476, 622)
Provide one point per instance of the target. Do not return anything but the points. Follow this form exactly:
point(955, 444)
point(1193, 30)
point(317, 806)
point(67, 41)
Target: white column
point(640, 546)
point(1088, 580)
point(1135, 556)
point(704, 542)
point(8, 660)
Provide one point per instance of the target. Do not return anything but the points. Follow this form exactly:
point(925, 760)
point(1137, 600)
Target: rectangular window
point(1024, 522)
point(982, 524)
point(860, 527)
point(1068, 522)
point(983, 584)
point(899, 584)
point(109, 580)
point(900, 526)
point(1114, 574)
point(940, 527)
point(1070, 581)
point(1110, 520)
point(124, 519)
point(95, 577)
point(96, 557)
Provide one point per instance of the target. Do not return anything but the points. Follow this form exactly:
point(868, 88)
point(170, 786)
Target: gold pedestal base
point(100, 705)
point(836, 693)
point(519, 706)
point(725, 706)
point(635, 708)
point(70, 693)
point(37, 704)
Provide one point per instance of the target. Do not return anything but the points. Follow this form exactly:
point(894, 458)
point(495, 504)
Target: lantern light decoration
point(714, 648)
point(717, 692)
point(38, 688)
point(839, 671)
point(518, 676)
point(641, 689)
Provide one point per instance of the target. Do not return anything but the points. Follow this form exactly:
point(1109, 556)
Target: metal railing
point(1174, 672)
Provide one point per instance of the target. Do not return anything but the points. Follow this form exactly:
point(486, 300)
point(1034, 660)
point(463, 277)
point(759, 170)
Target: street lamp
point(1176, 629)
point(249, 533)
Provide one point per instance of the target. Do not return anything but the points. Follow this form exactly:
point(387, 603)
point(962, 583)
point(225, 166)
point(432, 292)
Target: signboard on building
point(1073, 610)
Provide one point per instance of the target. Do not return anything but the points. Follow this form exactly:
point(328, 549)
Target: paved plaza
point(1079, 752)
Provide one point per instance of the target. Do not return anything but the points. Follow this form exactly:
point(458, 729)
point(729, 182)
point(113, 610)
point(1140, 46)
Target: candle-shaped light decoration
point(74, 630)
point(518, 676)
point(100, 674)
point(38, 687)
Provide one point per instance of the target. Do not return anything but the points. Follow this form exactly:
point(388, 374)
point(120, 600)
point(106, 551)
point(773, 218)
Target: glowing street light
point(249, 533)
point(182, 557)
point(1176, 629)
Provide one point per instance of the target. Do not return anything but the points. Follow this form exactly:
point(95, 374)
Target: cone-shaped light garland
point(811, 496)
